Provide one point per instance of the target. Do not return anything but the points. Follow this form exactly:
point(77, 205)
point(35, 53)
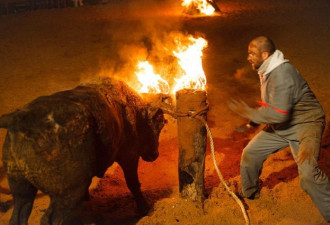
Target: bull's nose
point(154, 156)
point(151, 157)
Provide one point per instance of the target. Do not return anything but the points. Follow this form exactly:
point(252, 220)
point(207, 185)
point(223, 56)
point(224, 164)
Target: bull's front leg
point(23, 193)
point(130, 168)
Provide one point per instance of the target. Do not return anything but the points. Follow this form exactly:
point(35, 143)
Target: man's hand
point(246, 127)
point(240, 107)
point(242, 128)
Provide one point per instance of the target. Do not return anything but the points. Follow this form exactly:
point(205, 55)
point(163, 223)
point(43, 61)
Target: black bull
point(57, 143)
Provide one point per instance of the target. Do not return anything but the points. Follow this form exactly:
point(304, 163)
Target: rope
point(198, 116)
point(239, 202)
point(189, 114)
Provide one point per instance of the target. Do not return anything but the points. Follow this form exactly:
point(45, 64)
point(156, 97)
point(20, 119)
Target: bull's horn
point(6, 120)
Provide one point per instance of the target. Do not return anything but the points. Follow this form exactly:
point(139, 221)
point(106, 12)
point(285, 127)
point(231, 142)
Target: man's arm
point(280, 100)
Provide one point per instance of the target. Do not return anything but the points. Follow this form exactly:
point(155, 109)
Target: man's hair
point(265, 44)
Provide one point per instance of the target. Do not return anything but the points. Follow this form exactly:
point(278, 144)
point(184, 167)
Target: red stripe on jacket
point(276, 109)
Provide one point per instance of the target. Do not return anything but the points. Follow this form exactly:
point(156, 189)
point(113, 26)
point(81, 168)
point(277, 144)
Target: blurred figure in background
point(78, 3)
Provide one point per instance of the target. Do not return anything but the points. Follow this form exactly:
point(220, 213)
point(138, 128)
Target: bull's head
point(149, 130)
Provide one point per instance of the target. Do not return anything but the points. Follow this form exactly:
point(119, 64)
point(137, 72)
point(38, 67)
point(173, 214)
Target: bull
point(57, 143)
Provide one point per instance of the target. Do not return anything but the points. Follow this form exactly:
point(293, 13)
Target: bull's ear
point(156, 119)
point(11, 120)
point(156, 115)
point(7, 120)
point(154, 112)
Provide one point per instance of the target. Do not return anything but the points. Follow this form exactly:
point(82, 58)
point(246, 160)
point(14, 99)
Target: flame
point(202, 5)
point(188, 52)
point(151, 82)
point(190, 60)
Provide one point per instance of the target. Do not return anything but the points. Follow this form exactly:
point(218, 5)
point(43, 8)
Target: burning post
point(190, 101)
point(192, 143)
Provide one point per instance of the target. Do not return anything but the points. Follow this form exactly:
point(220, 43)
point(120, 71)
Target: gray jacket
point(287, 100)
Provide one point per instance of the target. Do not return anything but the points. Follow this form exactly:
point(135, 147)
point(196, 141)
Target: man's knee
point(250, 157)
point(311, 174)
point(246, 158)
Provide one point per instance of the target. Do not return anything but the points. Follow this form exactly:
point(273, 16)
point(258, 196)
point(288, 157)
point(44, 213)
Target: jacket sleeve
point(279, 98)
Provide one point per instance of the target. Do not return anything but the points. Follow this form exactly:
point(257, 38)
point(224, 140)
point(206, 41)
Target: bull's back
point(68, 136)
point(50, 143)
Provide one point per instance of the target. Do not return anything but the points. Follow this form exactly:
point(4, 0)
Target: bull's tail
point(7, 120)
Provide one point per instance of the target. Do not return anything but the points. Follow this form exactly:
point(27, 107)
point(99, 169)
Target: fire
point(203, 6)
point(190, 75)
point(151, 82)
point(190, 60)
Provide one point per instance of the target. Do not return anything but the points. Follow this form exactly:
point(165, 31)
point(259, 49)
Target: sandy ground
point(45, 51)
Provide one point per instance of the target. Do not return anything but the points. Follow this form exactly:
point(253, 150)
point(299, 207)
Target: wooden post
point(192, 144)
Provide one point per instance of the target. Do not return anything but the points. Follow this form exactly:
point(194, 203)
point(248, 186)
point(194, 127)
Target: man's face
point(254, 56)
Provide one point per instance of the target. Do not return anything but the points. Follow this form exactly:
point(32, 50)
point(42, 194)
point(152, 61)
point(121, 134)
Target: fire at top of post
point(190, 75)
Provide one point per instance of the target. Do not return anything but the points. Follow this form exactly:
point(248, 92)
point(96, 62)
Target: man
point(293, 117)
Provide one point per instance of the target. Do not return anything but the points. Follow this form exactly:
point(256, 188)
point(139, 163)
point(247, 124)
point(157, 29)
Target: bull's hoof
point(4, 206)
point(143, 210)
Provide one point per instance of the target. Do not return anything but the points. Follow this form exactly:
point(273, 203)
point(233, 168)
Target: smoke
point(159, 50)
point(242, 73)
point(139, 31)
point(144, 30)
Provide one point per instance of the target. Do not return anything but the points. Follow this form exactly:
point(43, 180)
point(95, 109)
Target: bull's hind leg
point(63, 209)
point(23, 193)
